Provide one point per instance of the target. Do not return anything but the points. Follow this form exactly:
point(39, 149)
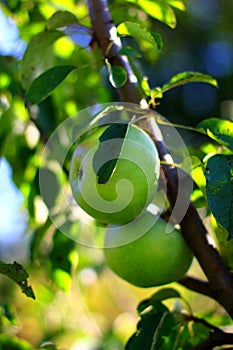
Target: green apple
point(148, 252)
point(114, 177)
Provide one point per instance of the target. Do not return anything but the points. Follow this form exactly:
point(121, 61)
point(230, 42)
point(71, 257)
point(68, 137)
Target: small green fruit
point(114, 178)
point(147, 259)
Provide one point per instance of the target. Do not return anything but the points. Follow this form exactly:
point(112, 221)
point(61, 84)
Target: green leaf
point(37, 49)
point(43, 85)
point(158, 40)
point(140, 32)
point(220, 130)
point(62, 279)
point(145, 86)
point(129, 51)
point(219, 189)
point(161, 294)
point(178, 4)
point(60, 258)
point(60, 19)
point(51, 186)
point(198, 199)
point(19, 275)
point(37, 238)
point(165, 293)
point(156, 93)
point(188, 77)
point(117, 75)
point(146, 328)
point(12, 343)
point(62, 248)
point(116, 131)
point(8, 314)
point(158, 9)
point(190, 334)
point(166, 333)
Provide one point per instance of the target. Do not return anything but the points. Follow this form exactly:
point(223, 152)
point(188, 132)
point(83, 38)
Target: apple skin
point(150, 259)
point(132, 185)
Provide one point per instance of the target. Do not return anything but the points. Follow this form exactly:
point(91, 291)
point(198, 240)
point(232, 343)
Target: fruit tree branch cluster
point(220, 282)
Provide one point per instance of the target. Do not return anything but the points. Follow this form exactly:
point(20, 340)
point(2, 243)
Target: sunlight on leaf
point(145, 86)
point(117, 75)
point(140, 32)
point(198, 199)
point(156, 93)
point(178, 4)
point(220, 130)
point(198, 175)
point(159, 10)
point(188, 77)
point(62, 279)
point(13, 343)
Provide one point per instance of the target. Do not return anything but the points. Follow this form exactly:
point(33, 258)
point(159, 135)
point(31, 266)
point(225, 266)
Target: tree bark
point(196, 285)
point(219, 278)
point(216, 338)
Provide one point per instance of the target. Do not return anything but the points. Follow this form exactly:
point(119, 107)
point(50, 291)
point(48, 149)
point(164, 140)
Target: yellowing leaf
point(158, 9)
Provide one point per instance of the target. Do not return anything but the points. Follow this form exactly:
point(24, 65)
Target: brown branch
point(218, 275)
point(105, 35)
point(220, 281)
point(196, 285)
point(216, 338)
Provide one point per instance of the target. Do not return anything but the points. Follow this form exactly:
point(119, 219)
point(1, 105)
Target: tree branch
point(105, 34)
point(220, 281)
point(196, 285)
point(216, 338)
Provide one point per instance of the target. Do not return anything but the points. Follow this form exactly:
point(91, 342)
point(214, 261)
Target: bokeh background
point(80, 303)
